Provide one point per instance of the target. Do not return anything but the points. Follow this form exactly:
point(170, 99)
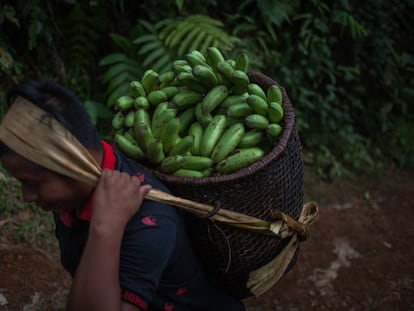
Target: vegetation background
point(347, 66)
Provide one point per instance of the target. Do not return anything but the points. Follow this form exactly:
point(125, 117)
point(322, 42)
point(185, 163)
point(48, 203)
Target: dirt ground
point(359, 255)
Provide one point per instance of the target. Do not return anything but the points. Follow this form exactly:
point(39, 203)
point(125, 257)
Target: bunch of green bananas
point(202, 118)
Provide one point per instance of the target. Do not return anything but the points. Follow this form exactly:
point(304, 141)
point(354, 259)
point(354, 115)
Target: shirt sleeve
point(148, 243)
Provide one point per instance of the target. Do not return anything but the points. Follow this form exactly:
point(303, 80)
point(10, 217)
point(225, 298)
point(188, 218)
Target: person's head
point(50, 190)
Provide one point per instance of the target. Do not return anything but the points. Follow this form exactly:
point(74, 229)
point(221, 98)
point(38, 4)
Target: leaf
point(113, 58)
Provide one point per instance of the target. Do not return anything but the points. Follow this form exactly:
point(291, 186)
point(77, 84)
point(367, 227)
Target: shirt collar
point(108, 162)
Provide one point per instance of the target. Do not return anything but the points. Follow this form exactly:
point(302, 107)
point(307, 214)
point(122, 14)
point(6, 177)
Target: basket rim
point(277, 151)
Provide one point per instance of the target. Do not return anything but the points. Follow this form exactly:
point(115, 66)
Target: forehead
point(22, 168)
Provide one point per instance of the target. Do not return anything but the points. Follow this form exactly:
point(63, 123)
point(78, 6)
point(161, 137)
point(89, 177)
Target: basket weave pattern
point(273, 183)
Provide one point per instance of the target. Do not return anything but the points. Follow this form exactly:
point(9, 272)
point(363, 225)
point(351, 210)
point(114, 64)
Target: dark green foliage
point(347, 66)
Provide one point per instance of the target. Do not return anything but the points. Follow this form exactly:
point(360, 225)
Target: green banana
point(143, 136)
point(141, 102)
point(194, 59)
point(228, 142)
point(253, 88)
point(251, 138)
point(242, 62)
point(181, 66)
point(234, 99)
point(275, 112)
point(213, 57)
point(205, 75)
point(171, 163)
point(130, 135)
point(226, 72)
point(258, 104)
point(136, 89)
point(196, 130)
point(212, 134)
point(170, 91)
point(169, 134)
point(213, 98)
point(150, 81)
point(202, 117)
point(197, 162)
point(182, 146)
point(274, 130)
point(256, 121)
point(188, 173)
point(166, 78)
point(162, 114)
point(142, 117)
point(185, 99)
point(155, 152)
point(129, 119)
point(156, 97)
point(124, 103)
point(274, 94)
point(243, 158)
point(239, 110)
point(240, 80)
point(186, 119)
point(231, 62)
point(118, 120)
point(198, 54)
point(128, 148)
point(192, 83)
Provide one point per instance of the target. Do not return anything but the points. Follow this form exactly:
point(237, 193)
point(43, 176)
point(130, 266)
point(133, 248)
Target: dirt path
point(359, 255)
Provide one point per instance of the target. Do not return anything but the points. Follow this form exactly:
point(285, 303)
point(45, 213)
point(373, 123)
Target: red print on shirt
point(168, 306)
point(181, 291)
point(149, 221)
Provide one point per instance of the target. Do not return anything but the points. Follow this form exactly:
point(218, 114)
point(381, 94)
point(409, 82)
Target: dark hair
point(62, 104)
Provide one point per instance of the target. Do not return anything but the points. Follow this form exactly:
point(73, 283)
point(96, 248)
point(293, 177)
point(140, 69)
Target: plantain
point(274, 94)
point(275, 112)
point(156, 97)
point(187, 117)
point(205, 75)
point(169, 134)
point(166, 78)
point(192, 83)
point(197, 162)
point(182, 146)
point(212, 134)
point(118, 120)
point(241, 159)
point(124, 103)
point(188, 173)
point(234, 99)
point(143, 136)
point(251, 138)
point(155, 152)
point(162, 114)
point(202, 117)
point(228, 142)
point(185, 99)
point(214, 56)
point(136, 89)
point(274, 130)
point(242, 62)
point(213, 98)
point(171, 163)
point(141, 102)
point(253, 88)
point(239, 110)
point(129, 119)
point(196, 130)
point(129, 148)
point(258, 104)
point(150, 81)
point(142, 117)
point(170, 91)
point(256, 121)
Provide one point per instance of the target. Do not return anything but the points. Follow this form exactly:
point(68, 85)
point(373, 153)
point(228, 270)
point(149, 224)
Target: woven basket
point(273, 183)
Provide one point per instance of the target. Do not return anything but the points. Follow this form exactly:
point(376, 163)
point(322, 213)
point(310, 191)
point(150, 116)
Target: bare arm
point(118, 197)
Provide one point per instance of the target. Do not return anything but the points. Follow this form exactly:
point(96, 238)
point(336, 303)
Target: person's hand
point(117, 198)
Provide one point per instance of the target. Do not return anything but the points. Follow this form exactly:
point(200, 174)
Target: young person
point(124, 252)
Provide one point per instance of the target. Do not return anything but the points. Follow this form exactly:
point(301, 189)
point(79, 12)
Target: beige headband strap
point(40, 138)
